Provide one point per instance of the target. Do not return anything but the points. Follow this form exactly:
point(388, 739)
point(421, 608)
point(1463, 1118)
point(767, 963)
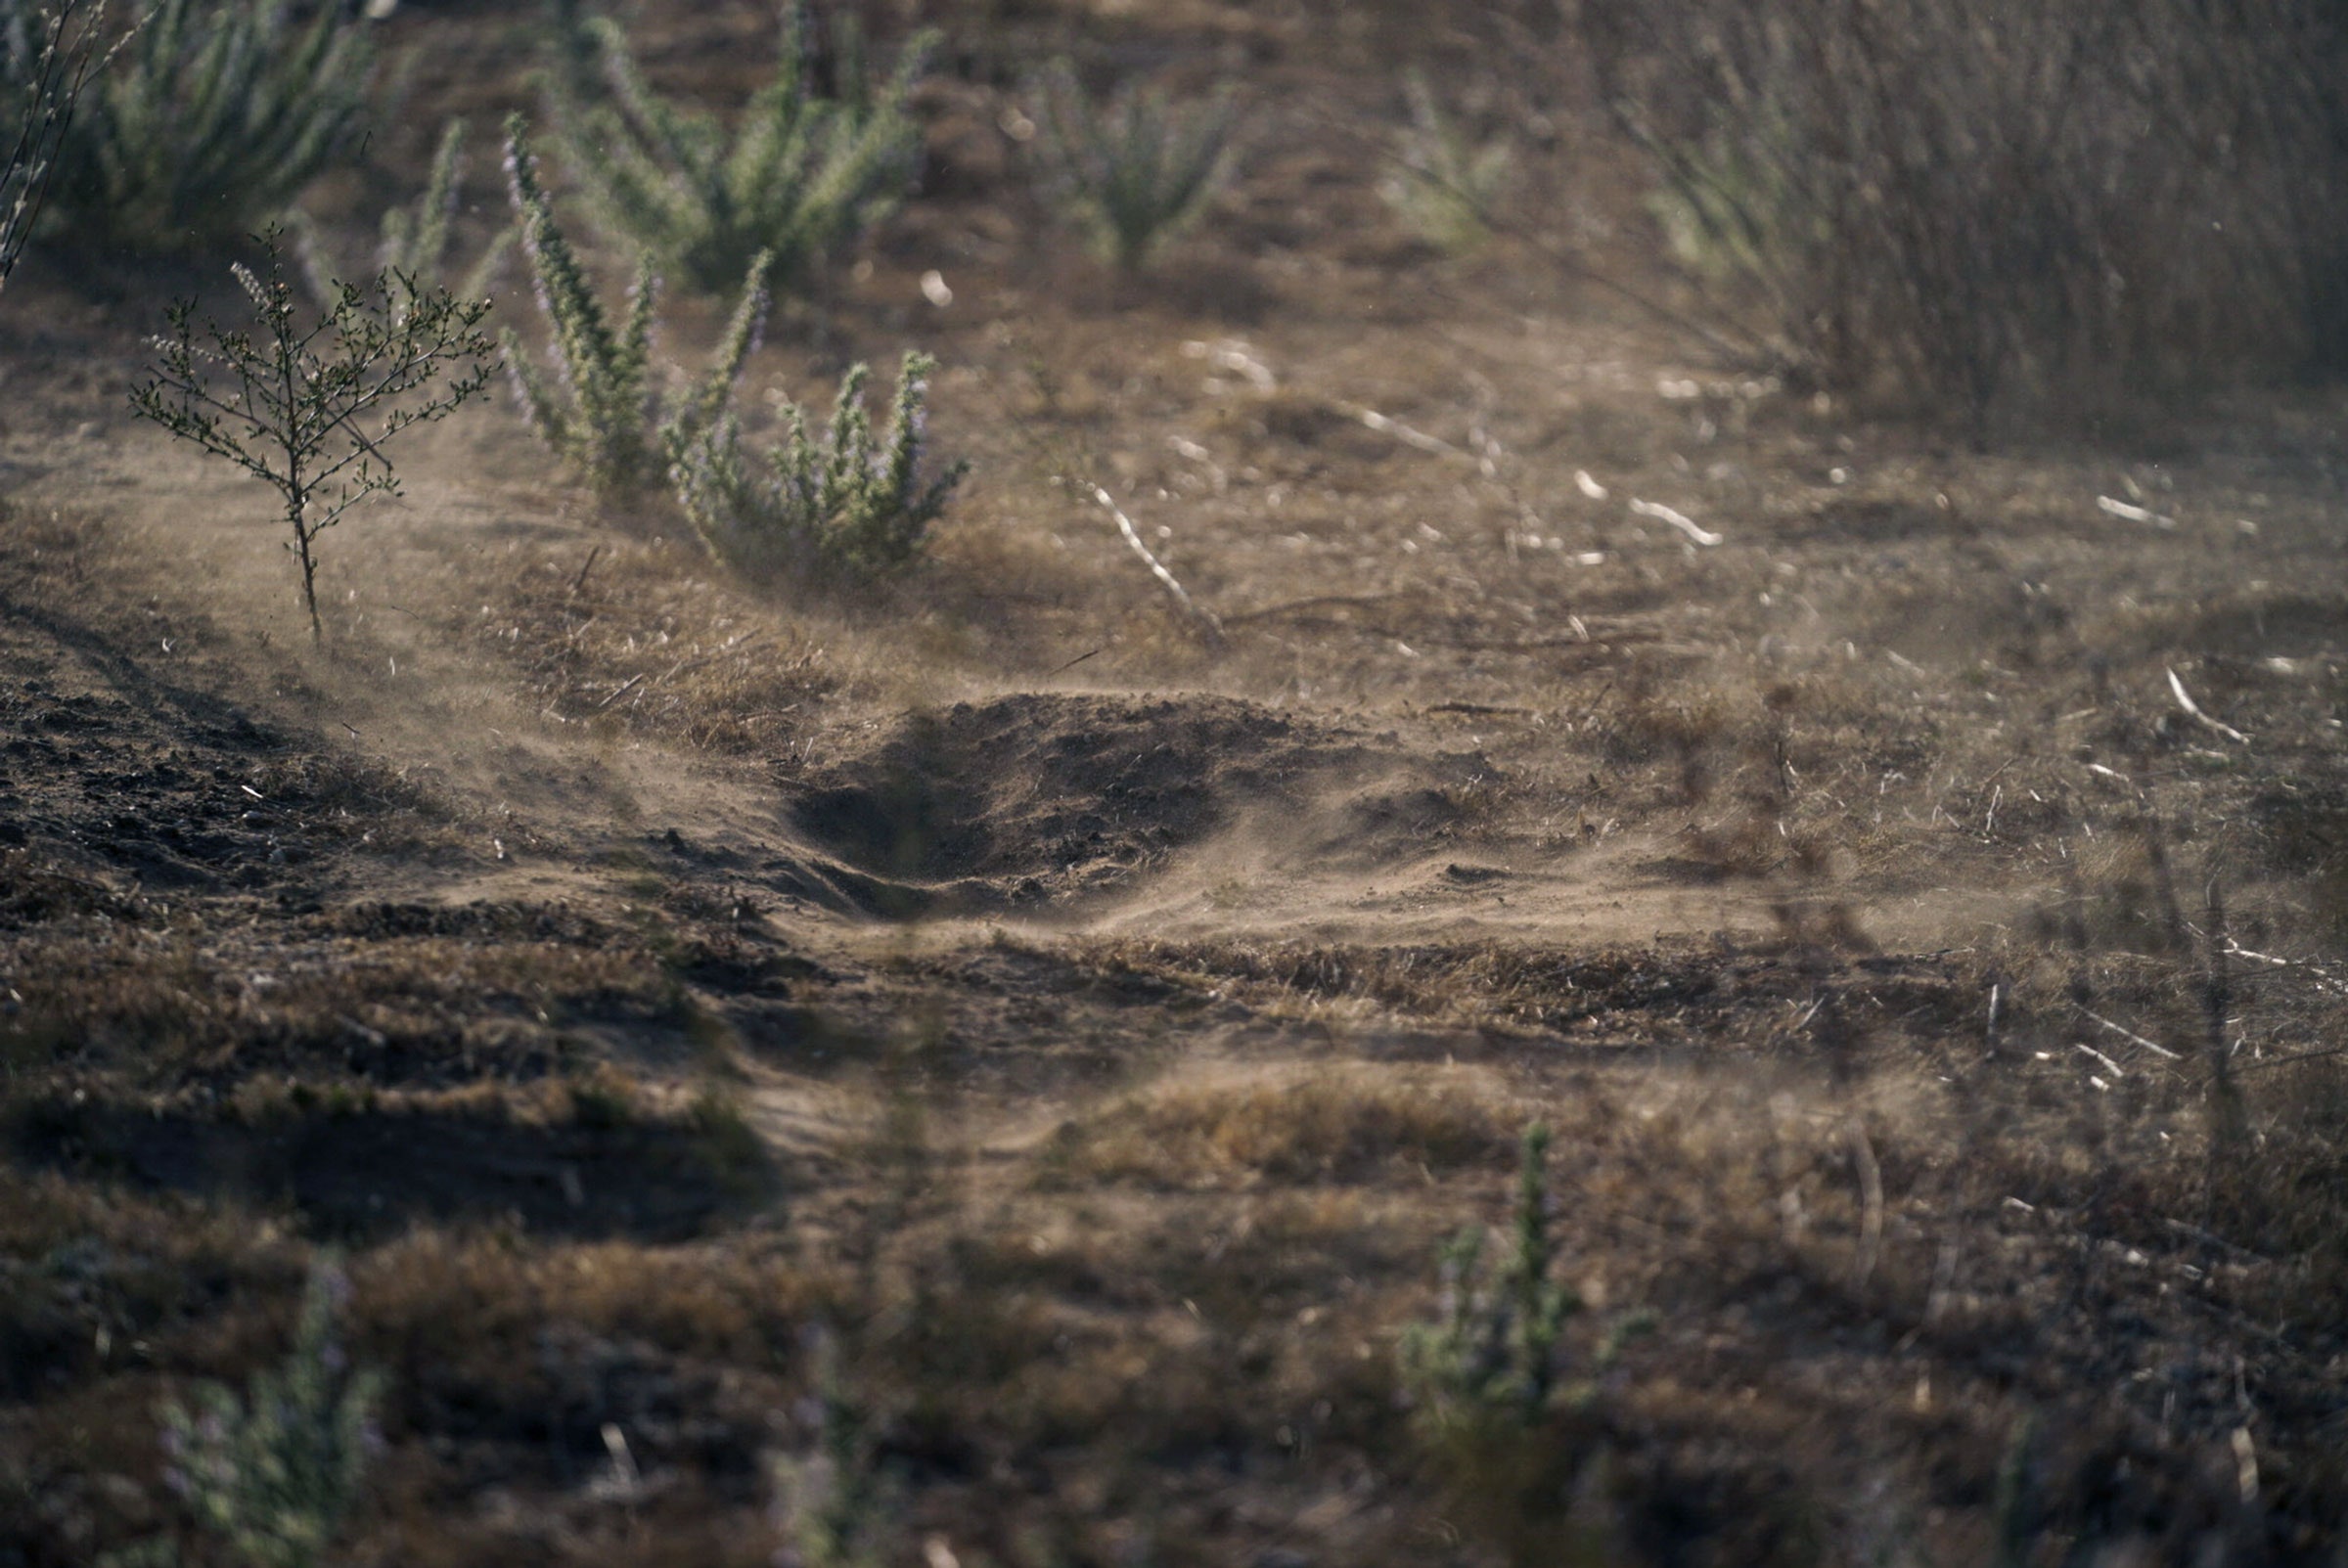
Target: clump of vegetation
point(1133, 170)
point(1493, 1346)
point(600, 410)
point(839, 1507)
point(1975, 202)
point(415, 239)
point(1449, 186)
point(308, 409)
point(801, 177)
point(853, 504)
point(49, 57)
point(275, 1474)
point(211, 120)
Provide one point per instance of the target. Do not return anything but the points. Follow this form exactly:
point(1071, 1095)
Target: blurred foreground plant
point(49, 54)
point(1134, 169)
point(1492, 1348)
point(308, 409)
point(275, 1474)
point(802, 176)
point(211, 120)
point(852, 505)
point(599, 411)
point(838, 1508)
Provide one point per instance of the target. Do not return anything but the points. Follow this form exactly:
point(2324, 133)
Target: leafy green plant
point(212, 118)
point(309, 407)
point(414, 243)
point(1449, 186)
point(1133, 170)
point(600, 411)
point(49, 57)
point(802, 176)
point(853, 504)
point(276, 1473)
point(1492, 1347)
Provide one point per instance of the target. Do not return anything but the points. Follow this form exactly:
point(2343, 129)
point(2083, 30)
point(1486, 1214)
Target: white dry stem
point(2184, 700)
point(1206, 623)
point(2129, 1035)
point(1385, 425)
point(2134, 514)
point(2324, 977)
point(2113, 1067)
point(1679, 520)
point(1232, 354)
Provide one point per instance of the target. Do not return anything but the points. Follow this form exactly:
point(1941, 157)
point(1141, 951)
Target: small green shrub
point(309, 408)
point(1449, 186)
point(275, 1474)
point(212, 117)
point(801, 177)
point(1134, 170)
point(49, 58)
point(414, 241)
point(1492, 1348)
point(853, 504)
point(600, 411)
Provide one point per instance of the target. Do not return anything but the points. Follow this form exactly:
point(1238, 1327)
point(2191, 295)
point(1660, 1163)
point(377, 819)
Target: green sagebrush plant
point(275, 1474)
point(50, 55)
point(1133, 170)
point(599, 410)
point(414, 239)
point(308, 407)
point(800, 177)
point(211, 117)
point(1448, 186)
point(853, 504)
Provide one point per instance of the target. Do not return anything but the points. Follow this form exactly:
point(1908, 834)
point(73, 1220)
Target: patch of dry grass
point(186, 1002)
point(1338, 1125)
point(643, 643)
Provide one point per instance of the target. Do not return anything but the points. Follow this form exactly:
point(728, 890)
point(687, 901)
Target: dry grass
point(1338, 1126)
point(640, 642)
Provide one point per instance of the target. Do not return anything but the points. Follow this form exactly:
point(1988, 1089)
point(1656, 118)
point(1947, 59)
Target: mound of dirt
point(1034, 795)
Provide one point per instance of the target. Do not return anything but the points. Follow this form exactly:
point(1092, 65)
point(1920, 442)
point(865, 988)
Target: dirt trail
point(1062, 811)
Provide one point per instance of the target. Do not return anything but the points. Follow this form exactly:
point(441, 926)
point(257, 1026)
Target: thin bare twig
point(1871, 1197)
point(2192, 710)
point(1201, 620)
point(2129, 1035)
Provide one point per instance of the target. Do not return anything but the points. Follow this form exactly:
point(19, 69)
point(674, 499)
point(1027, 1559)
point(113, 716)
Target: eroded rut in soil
point(1039, 802)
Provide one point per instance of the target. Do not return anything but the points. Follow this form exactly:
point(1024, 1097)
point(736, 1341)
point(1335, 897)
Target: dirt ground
point(995, 1062)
